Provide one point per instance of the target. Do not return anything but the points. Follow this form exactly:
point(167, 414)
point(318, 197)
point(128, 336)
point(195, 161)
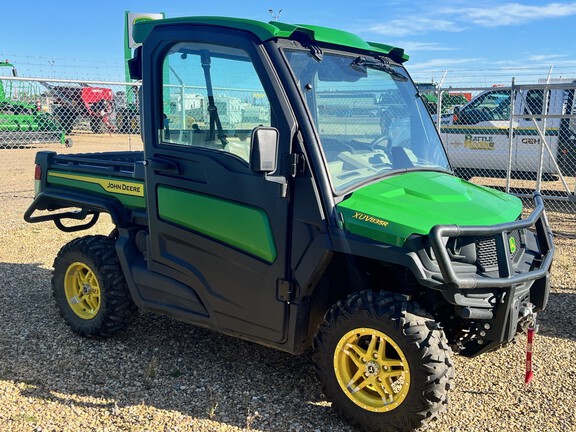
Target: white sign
point(133, 18)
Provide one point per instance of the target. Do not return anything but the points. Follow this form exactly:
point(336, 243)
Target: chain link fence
point(188, 120)
point(520, 138)
point(48, 111)
point(64, 116)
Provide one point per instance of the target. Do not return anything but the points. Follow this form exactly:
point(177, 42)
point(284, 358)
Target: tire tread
point(420, 330)
point(119, 308)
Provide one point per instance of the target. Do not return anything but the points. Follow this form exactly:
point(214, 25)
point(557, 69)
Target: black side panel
point(160, 292)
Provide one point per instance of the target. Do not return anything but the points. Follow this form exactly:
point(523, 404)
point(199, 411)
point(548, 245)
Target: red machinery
point(71, 103)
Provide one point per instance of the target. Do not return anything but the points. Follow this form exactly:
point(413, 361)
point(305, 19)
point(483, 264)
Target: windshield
point(369, 117)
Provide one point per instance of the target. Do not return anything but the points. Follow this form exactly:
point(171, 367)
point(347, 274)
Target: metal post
point(511, 134)
point(183, 105)
point(440, 93)
point(182, 92)
point(545, 98)
point(549, 150)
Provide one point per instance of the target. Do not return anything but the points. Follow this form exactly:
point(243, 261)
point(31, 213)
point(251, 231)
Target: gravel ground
point(162, 375)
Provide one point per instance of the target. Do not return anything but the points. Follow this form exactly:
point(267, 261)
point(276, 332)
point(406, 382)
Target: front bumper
point(498, 301)
point(509, 273)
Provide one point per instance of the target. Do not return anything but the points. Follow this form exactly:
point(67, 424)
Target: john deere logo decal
point(113, 186)
point(512, 243)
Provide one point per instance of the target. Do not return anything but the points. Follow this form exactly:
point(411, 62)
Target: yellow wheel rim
point(82, 290)
point(372, 370)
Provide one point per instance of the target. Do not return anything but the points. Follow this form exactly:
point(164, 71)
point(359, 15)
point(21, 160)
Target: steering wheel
point(335, 145)
point(377, 142)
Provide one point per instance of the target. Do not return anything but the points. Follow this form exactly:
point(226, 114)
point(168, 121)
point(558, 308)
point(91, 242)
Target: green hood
point(395, 208)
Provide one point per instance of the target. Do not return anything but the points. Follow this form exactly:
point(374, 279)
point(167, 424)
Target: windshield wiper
point(361, 63)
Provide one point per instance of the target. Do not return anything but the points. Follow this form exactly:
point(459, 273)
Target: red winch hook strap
point(529, 349)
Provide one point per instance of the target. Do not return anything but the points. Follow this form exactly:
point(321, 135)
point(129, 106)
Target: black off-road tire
point(89, 266)
point(401, 327)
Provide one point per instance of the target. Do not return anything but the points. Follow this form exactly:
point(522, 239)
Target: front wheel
point(90, 289)
point(383, 364)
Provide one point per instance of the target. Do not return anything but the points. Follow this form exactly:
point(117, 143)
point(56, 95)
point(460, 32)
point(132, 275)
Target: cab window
point(212, 98)
point(494, 105)
point(535, 103)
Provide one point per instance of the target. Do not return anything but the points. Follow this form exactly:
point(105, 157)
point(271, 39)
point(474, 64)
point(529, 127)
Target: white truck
point(477, 135)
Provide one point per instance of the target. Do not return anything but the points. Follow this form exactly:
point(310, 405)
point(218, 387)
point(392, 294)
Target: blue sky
point(476, 43)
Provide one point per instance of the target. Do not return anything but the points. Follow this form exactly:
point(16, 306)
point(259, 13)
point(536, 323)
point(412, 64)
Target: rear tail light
point(38, 173)
point(37, 179)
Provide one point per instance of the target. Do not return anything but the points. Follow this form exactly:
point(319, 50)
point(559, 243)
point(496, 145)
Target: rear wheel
point(90, 289)
point(383, 364)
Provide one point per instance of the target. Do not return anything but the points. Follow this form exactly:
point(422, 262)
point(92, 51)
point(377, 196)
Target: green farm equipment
point(22, 122)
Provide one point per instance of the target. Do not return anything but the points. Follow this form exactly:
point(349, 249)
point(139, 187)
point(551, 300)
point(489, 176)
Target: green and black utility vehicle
point(294, 192)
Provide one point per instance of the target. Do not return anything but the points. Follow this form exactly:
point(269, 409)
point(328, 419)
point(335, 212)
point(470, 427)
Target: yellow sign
point(112, 186)
point(474, 142)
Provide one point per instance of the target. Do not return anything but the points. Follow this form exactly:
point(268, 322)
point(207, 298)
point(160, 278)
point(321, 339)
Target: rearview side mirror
point(135, 65)
point(264, 149)
point(455, 114)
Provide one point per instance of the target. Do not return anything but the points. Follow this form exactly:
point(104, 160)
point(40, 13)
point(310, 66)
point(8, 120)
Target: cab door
point(216, 225)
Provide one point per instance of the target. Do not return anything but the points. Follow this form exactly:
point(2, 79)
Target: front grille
point(486, 256)
point(486, 252)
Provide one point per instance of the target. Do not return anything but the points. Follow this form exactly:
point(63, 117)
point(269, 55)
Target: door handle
point(162, 165)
